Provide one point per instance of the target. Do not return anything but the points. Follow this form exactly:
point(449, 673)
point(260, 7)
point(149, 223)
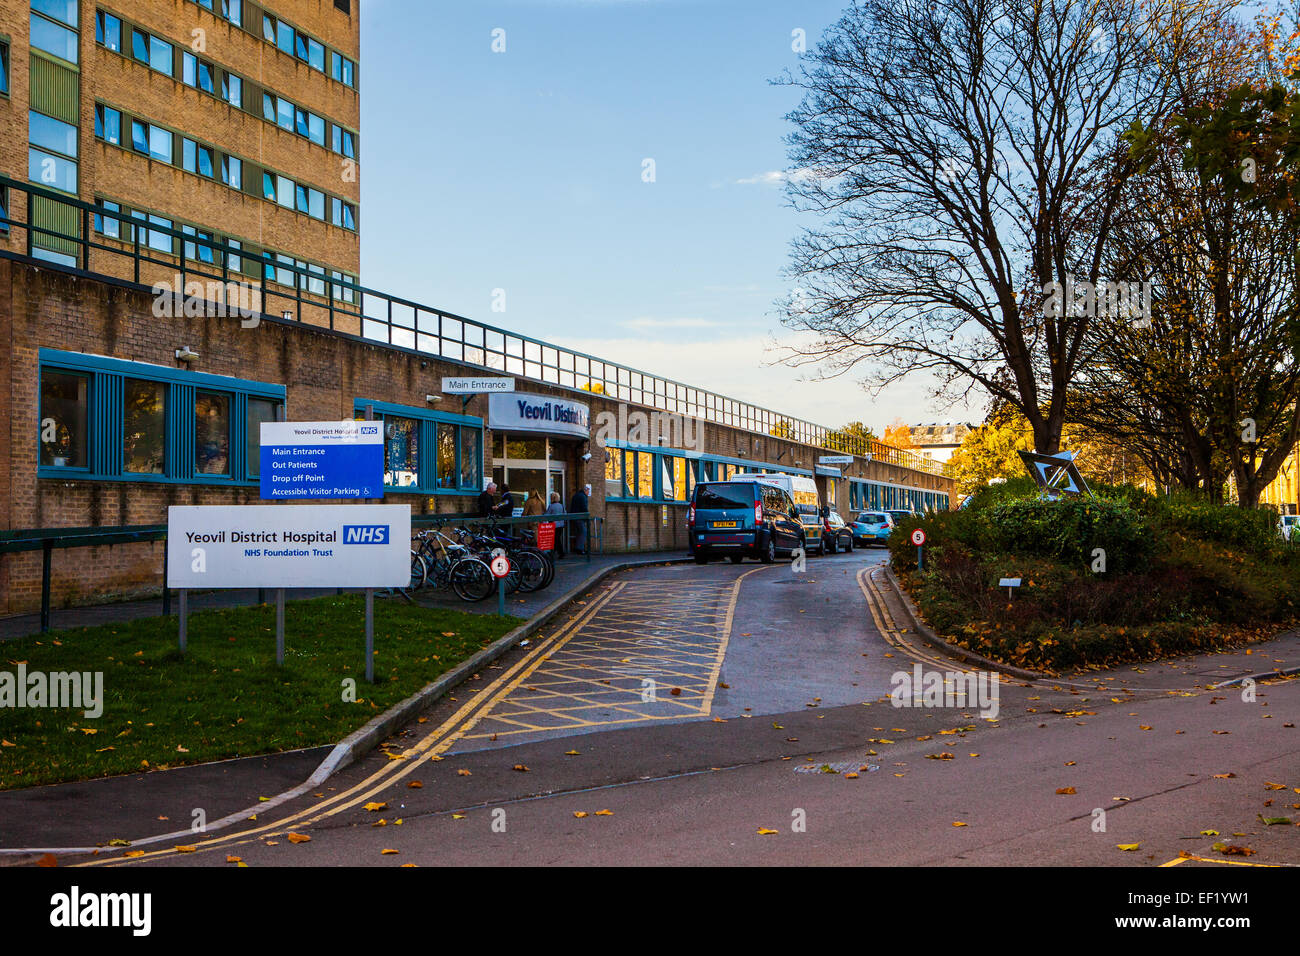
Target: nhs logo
point(369, 430)
point(365, 534)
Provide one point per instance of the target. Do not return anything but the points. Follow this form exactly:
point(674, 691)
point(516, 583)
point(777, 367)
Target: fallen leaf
point(462, 772)
point(579, 814)
point(960, 823)
point(604, 813)
point(572, 753)
point(373, 806)
point(185, 849)
point(1127, 846)
point(387, 852)
point(521, 768)
point(415, 785)
point(134, 853)
point(1065, 791)
point(234, 859)
point(763, 831)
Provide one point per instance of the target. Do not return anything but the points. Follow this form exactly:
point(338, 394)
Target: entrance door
point(555, 482)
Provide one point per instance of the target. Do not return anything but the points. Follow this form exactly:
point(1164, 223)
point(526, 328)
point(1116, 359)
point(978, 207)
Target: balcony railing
point(314, 298)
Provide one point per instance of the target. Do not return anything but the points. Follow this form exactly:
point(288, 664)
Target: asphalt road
point(681, 712)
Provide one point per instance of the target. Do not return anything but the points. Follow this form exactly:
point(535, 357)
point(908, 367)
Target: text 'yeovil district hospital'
point(153, 312)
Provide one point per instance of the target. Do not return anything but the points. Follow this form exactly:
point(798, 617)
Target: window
point(401, 452)
point(471, 457)
point(108, 30)
point(139, 136)
point(316, 55)
point(160, 144)
point(314, 285)
point(53, 38)
point(284, 113)
point(197, 158)
point(196, 72)
point(316, 205)
point(144, 427)
point(140, 46)
point(284, 38)
point(108, 124)
point(300, 47)
point(160, 55)
point(268, 186)
point(316, 129)
point(233, 10)
point(300, 121)
point(259, 410)
point(616, 485)
point(211, 433)
point(343, 293)
point(344, 142)
point(342, 214)
point(284, 191)
point(344, 5)
point(63, 10)
point(107, 225)
point(301, 199)
point(51, 134)
point(197, 250)
point(160, 241)
point(64, 414)
point(445, 475)
point(341, 68)
point(268, 107)
point(232, 172)
point(53, 171)
point(645, 475)
point(4, 68)
point(235, 262)
point(232, 89)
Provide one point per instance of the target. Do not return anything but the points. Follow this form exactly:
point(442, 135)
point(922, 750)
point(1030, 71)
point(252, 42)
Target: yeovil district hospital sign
point(285, 546)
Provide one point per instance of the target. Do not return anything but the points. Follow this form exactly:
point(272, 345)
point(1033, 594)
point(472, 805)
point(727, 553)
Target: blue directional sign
point(322, 460)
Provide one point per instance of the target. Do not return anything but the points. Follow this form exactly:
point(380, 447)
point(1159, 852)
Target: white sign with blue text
point(523, 412)
point(255, 546)
point(341, 459)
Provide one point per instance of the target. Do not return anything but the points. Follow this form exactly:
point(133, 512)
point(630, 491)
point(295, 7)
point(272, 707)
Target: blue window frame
point(429, 452)
point(109, 419)
point(53, 38)
point(108, 124)
point(4, 68)
point(108, 30)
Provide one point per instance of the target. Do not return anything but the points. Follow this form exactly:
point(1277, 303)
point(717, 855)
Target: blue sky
point(522, 171)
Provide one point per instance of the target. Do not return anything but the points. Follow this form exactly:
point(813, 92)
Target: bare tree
point(961, 156)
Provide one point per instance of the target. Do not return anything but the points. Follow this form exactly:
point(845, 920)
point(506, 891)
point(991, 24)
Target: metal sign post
point(500, 568)
point(370, 635)
point(185, 617)
point(279, 627)
point(918, 539)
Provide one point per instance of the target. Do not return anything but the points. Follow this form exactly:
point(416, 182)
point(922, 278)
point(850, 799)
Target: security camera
point(433, 399)
point(586, 456)
point(186, 354)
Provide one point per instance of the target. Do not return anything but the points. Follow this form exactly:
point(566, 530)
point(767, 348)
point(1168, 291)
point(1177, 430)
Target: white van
point(807, 501)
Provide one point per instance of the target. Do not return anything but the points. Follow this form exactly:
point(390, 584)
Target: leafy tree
point(991, 451)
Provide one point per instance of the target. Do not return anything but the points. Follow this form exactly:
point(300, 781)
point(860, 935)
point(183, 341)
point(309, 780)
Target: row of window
point(659, 476)
point(429, 452)
point(107, 418)
point(159, 143)
point(312, 278)
point(290, 40)
point(160, 54)
point(868, 495)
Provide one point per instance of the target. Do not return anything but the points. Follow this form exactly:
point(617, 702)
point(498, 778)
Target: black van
point(739, 518)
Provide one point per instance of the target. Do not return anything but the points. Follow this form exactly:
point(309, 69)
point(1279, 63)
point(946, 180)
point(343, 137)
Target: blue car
point(872, 527)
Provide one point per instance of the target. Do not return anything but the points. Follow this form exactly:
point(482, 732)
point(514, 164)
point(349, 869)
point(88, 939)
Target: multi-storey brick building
point(233, 121)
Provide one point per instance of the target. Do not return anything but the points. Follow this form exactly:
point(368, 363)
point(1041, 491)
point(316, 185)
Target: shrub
point(1253, 529)
point(1071, 529)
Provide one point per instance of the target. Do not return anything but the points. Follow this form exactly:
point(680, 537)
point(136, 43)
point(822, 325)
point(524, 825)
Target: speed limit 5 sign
point(918, 537)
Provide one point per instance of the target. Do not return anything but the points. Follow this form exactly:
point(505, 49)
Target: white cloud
point(654, 322)
point(776, 177)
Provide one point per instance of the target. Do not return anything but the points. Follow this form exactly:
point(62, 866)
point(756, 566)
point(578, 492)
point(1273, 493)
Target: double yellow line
point(431, 746)
point(890, 630)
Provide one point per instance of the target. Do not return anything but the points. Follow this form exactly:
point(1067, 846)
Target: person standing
point(580, 505)
point(556, 507)
point(534, 505)
point(487, 500)
point(506, 506)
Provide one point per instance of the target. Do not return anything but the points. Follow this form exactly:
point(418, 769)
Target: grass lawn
point(226, 698)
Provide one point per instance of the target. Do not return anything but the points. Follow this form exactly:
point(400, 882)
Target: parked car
point(807, 501)
point(742, 518)
point(836, 534)
point(872, 527)
point(899, 514)
point(1289, 523)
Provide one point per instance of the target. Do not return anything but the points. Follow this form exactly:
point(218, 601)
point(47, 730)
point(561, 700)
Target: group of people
point(490, 507)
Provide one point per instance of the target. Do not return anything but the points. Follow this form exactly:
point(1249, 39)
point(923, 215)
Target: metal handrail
point(403, 323)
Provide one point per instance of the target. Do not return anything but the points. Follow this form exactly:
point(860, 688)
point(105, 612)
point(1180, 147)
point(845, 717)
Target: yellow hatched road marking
point(394, 770)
